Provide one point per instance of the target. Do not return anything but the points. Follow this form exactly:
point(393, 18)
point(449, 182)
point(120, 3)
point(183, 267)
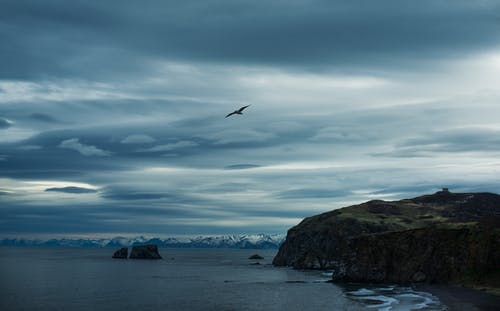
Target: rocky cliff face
point(434, 255)
point(444, 237)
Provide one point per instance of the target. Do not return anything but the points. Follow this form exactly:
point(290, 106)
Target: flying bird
point(239, 111)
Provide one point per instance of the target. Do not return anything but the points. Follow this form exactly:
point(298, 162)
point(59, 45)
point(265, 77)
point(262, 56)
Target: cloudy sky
point(112, 112)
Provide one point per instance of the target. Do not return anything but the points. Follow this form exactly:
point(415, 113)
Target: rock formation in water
point(439, 238)
point(122, 253)
point(256, 256)
point(145, 252)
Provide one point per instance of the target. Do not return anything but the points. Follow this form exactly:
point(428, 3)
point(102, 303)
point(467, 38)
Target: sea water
point(186, 279)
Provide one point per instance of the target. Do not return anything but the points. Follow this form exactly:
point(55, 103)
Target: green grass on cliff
point(401, 215)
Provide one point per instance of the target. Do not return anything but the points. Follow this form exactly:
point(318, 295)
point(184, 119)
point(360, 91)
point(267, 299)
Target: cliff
point(439, 238)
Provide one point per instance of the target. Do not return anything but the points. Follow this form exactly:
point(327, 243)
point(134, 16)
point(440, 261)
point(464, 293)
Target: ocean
point(40, 278)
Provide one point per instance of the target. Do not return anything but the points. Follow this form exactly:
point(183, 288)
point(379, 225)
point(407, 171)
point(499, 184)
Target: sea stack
point(122, 253)
point(145, 252)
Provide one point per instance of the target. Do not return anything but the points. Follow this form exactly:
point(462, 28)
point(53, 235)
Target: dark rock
point(418, 277)
point(145, 252)
point(122, 253)
point(256, 256)
point(431, 255)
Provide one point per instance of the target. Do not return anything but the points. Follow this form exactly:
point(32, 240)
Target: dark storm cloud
point(110, 217)
point(42, 117)
point(84, 218)
point(56, 38)
point(129, 194)
point(134, 196)
point(456, 140)
point(74, 190)
point(4, 124)
point(182, 144)
point(412, 190)
point(467, 139)
point(228, 187)
point(73, 151)
point(86, 150)
point(49, 160)
point(191, 141)
point(209, 143)
point(311, 193)
point(241, 166)
point(138, 139)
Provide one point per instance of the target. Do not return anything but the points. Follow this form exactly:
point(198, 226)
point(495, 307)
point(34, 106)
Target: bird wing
point(242, 108)
point(230, 114)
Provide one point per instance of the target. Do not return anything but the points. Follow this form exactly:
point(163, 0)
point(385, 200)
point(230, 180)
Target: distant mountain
point(253, 241)
point(438, 238)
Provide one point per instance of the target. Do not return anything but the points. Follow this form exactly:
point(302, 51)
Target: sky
point(112, 112)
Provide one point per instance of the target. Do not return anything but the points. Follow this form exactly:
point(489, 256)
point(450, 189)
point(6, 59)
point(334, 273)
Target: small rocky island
point(139, 252)
point(440, 238)
point(122, 253)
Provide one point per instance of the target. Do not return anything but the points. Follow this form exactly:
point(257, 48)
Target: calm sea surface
point(186, 279)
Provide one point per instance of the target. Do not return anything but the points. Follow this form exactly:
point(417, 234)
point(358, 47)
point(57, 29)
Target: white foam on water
point(426, 300)
point(328, 274)
point(387, 302)
point(395, 298)
point(361, 292)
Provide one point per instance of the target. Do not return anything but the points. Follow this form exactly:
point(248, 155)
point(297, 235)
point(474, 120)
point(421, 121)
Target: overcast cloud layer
point(112, 112)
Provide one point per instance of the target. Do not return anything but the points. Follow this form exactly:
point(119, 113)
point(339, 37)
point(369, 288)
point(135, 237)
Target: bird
point(239, 111)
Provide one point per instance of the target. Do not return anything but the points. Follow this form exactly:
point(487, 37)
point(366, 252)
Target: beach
point(463, 298)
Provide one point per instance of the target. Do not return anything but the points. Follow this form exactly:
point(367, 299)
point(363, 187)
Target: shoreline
point(458, 298)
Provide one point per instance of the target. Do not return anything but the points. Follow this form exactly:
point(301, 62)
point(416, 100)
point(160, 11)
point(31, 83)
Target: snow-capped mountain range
point(256, 241)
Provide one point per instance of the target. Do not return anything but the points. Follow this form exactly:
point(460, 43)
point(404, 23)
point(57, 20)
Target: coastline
point(458, 298)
